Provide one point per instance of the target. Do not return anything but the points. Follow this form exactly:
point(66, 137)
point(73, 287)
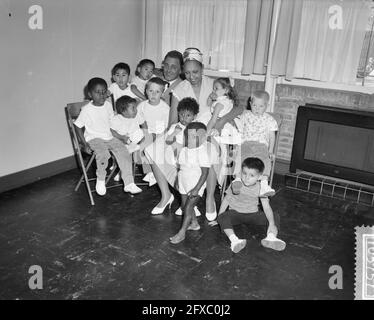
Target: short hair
point(121, 65)
point(261, 94)
point(156, 80)
point(142, 63)
point(193, 126)
point(254, 163)
point(94, 82)
point(175, 55)
point(188, 104)
point(123, 103)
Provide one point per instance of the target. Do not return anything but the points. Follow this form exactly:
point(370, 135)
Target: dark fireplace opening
point(334, 142)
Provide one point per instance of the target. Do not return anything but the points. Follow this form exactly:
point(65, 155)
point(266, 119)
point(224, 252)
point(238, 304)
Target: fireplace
point(335, 143)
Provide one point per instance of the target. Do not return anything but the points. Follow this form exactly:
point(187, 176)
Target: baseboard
point(282, 167)
point(21, 178)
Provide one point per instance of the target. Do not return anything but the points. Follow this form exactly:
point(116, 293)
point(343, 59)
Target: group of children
point(139, 116)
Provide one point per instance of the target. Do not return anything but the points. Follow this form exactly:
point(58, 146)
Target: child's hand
point(214, 133)
point(177, 129)
point(272, 229)
point(213, 96)
point(86, 149)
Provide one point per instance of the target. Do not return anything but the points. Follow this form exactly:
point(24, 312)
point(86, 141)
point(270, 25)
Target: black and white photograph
point(186, 156)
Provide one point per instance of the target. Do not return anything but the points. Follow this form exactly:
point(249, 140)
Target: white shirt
point(96, 120)
point(179, 137)
point(128, 127)
point(118, 92)
point(225, 102)
point(156, 117)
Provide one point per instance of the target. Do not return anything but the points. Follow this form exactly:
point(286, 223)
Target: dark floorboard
point(117, 250)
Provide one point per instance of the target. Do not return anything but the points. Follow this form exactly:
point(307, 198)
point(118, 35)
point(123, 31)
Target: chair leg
point(85, 177)
point(272, 173)
point(85, 169)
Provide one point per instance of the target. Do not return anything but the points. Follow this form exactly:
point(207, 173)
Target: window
point(216, 27)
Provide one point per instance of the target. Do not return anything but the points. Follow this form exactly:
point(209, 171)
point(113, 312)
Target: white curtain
point(331, 54)
point(187, 23)
point(228, 35)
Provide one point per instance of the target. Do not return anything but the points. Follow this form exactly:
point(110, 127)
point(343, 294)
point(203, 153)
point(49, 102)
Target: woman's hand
point(193, 193)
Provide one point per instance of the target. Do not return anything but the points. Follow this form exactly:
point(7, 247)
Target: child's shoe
point(265, 189)
point(117, 177)
point(272, 242)
point(100, 187)
point(211, 216)
point(147, 176)
point(132, 188)
point(152, 180)
point(238, 245)
point(179, 212)
point(236, 185)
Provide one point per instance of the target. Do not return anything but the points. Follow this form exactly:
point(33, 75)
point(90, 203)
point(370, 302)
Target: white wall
point(42, 70)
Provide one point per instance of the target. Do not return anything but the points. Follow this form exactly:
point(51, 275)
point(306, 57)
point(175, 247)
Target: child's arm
point(125, 139)
point(136, 91)
point(224, 205)
point(170, 138)
point(235, 112)
point(269, 215)
point(271, 142)
point(173, 113)
point(213, 120)
point(204, 175)
point(86, 147)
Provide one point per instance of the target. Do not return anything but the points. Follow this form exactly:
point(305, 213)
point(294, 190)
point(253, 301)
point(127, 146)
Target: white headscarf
point(192, 54)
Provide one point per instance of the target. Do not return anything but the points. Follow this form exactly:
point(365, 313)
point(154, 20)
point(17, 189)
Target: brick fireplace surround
point(287, 100)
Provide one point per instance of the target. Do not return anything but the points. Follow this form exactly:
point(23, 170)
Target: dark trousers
point(230, 218)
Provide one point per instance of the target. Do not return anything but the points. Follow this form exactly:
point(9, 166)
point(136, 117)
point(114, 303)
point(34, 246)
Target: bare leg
point(188, 217)
point(163, 185)
point(211, 183)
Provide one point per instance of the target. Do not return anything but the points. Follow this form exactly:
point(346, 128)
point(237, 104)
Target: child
point(96, 117)
point(224, 97)
point(258, 138)
point(144, 72)
point(243, 209)
point(194, 162)
point(153, 115)
point(188, 108)
point(126, 127)
point(120, 78)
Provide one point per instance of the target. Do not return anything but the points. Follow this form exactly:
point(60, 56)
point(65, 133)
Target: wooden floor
point(117, 250)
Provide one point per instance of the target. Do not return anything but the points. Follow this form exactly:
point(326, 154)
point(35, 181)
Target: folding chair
point(72, 111)
point(279, 119)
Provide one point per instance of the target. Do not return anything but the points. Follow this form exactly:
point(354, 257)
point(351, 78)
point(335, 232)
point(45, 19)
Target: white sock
point(233, 238)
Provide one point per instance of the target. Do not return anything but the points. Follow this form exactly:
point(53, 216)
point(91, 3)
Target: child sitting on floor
point(120, 78)
point(188, 108)
point(258, 139)
point(96, 117)
point(194, 162)
point(144, 72)
point(243, 209)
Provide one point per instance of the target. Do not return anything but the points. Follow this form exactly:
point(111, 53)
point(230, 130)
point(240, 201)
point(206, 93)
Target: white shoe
point(238, 245)
point(272, 242)
point(117, 177)
point(265, 189)
point(179, 212)
point(147, 176)
point(100, 187)
point(211, 216)
point(158, 210)
point(132, 147)
point(132, 188)
point(152, 180)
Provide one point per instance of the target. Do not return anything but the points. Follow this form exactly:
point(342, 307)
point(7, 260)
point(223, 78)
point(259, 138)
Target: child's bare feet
point(179, 237)
point(194, 226)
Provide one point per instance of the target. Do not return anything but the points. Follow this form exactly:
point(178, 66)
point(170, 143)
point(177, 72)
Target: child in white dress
point(144, 72)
